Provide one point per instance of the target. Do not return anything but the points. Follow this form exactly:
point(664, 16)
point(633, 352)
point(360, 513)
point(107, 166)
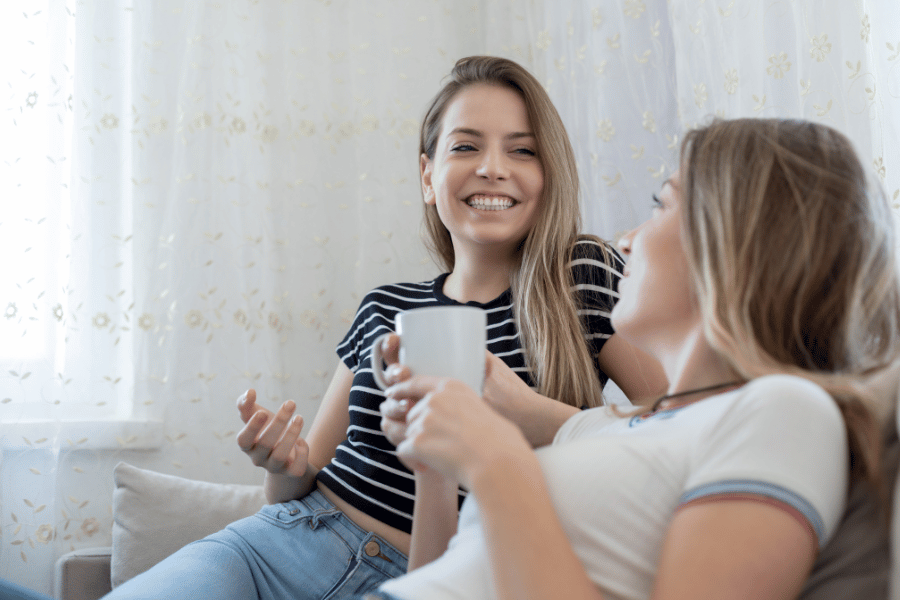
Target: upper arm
point(765, 489)
point(638, 375)
point(734, 549)
point(329, 428)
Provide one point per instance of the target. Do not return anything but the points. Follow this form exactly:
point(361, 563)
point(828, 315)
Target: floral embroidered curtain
point(195, 196)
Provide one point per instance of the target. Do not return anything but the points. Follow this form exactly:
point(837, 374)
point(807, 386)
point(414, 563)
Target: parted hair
point(792, 249)
point(544, 305)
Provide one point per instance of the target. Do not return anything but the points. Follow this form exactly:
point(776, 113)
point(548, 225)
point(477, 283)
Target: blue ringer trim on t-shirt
point(767, 490)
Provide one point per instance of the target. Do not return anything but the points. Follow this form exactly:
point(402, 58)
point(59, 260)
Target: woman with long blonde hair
point(766, 285)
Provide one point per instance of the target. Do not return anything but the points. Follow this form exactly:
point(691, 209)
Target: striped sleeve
point(375, 317)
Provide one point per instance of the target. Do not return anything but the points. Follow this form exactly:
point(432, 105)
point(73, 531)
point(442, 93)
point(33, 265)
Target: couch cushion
point(856, 562)
point(155, 514)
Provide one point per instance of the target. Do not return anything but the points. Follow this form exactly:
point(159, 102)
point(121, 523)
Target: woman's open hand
point(272, 440)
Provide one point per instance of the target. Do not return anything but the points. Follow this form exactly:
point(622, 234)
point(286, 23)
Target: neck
point(693, 364)
point(690, 396)
point(478, 276)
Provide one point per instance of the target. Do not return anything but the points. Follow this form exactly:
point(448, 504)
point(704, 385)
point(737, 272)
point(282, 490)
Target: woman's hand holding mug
point(446, 341)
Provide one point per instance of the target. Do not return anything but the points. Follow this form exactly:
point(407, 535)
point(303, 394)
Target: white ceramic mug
point(446, 341)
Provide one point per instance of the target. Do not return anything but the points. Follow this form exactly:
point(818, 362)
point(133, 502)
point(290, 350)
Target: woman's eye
point(525, 151)
point(463, 148)
point(657, 203)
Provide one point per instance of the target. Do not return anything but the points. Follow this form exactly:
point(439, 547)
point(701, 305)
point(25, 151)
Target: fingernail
point(404, 404)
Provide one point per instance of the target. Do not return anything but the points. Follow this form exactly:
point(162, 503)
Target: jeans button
point(372, 548)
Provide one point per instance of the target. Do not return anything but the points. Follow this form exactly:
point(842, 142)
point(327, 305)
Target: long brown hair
point(793, 255)
point(544, 305)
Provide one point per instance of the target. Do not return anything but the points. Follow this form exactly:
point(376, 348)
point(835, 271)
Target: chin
point(623, 324)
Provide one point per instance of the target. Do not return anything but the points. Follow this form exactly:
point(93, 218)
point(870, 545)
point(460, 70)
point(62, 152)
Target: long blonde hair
point(793, 255)
point(544, 305)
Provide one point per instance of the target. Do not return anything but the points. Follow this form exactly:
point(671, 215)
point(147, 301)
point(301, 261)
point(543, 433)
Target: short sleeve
point(784, 440)
point(596, 271)
point(368, 324)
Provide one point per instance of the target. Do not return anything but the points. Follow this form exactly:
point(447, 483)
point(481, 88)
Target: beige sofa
point(154, 515)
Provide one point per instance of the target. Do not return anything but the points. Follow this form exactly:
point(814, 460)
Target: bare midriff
point(398, 539)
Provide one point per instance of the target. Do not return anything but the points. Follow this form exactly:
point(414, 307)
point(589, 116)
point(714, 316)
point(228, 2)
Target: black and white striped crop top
point(365, 471)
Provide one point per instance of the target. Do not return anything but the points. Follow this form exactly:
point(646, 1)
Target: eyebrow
point(670, 183)
point(476, 133)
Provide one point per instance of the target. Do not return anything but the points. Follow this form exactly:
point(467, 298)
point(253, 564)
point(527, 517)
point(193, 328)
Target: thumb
point(487, 363)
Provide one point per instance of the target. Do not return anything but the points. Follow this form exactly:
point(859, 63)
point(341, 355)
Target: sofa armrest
point(83, 574)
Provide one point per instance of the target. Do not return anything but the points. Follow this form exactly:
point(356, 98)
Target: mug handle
point(377, 361)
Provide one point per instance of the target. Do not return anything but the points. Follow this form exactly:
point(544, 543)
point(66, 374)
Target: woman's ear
point(425, 166)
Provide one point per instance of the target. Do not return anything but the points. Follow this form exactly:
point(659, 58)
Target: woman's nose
point(493, 165)
point(624, 242)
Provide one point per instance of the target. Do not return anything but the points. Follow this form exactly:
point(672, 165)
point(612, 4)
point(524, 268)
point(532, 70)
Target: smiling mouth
point(481, 202)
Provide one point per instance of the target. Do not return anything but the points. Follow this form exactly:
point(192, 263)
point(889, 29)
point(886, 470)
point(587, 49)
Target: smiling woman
point(657, 298)
point(552, 344)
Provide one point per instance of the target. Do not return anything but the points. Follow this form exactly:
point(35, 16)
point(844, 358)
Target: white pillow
point(155, 514)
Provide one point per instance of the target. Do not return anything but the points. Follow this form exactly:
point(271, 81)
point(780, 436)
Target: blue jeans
point(12, 591)
point(376, 595)
point(298, 550)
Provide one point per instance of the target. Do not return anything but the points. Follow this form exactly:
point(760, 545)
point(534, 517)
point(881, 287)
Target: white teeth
point(490, 203)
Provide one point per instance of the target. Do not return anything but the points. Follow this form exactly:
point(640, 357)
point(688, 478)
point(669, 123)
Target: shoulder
point(592, 247)
point(789, 394)
point(591, 253)
point(787, 408)
point(403, 287)
point(402, 292)
point(781, 437)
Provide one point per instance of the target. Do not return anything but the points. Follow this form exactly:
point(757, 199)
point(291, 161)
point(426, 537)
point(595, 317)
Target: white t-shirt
point(616, 482)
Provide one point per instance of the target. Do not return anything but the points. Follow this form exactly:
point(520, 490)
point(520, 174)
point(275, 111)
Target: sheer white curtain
point(631, 76)
point(199, 194)
point(239, 174)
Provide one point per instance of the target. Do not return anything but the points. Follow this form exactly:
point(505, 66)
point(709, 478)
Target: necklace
point(691, 392)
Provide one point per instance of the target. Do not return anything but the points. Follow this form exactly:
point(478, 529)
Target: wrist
point(501, 470)
point(434, 479)
point(544, 419)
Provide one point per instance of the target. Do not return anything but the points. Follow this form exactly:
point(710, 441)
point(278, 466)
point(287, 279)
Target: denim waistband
point(370, 548)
